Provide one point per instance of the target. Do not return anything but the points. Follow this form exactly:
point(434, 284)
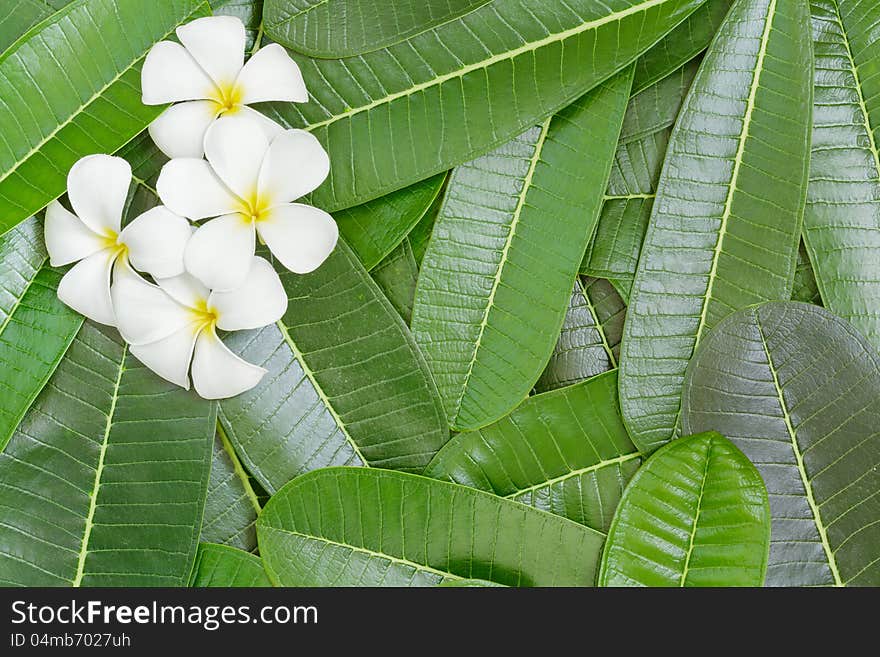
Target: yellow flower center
point(228, 98)
point(204, 317)
point(110, 240)
point(254, 207)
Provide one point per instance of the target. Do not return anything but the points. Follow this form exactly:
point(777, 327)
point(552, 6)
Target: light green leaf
point(375, 228)
point(18, 16)
point(805, 287)
point(468, 583)
point(798, 390)
point(224, 566)
point(364, 527)
point(566, 452)
point(682, 44)
point(494, 281)
point(402, 114)
point(343, 28)
point(842, 220)
point(396, 275)
point(726, 223)
point(231, 505)
point(589, 343)
point(103, 483)
point(35, 327)
point(696, 514)
point(346, 383)
point(73, 88)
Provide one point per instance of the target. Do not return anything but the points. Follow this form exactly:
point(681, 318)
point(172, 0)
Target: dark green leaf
point(696, 514)
point(365, 527)
point(805, 287)
point(396, 275)
point(224, 566)
point(18, 16)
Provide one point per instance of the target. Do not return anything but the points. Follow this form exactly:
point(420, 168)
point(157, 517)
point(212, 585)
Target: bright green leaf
point(18, 16)
point(103, 483)
point(696, 514)
point(224, 566)
point(798, 390)
point(365, 527)
point(566, 452)
point(493, 286)
point(726, 223)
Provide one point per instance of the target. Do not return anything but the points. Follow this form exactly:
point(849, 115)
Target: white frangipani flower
point(172, 326)
point(207, 76)
point(97, 186)
point(248, 183)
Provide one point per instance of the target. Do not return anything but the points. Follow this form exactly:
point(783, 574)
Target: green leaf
point(103, 483)
point(696, 514)
point(343, 28)
point(842, 219)
point(494, 281)
point(231, 505)
point(396, 275)
point(468, 583)
point(73, 88)
point(589, 343)
point(657, 107)
point(364, 527)
point(224, 566)
point(399, 115)
point(18, 16)
point(805, 287)
point(566, 452)
point(726, 223)
point(421, 233)
point(375, 228)
point(35, 327)
point(798, 390)
point(682, 44)
point(346, 383)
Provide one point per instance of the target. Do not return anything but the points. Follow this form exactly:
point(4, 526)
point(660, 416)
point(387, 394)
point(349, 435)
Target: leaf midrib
point(99, 470)
point(96, 96)
point(600, 329)
point(799, 460)
point(238, 469)
point(695, 526)
point(505, 252)
point(20, 297)
point(489, 61)
point(623, 458)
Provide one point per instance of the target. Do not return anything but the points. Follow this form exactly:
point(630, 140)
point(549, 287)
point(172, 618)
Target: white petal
point(235, 146)
point(170, 357)
point(86, 287)
point(220, 252)
point(144, 312)
point(218, 373)
point(180, 130)
point(170, 75)
point(156, 241)
point(300, 236)
point(257, 302)
point(186, 289)
point(67, 238)
point(271, 74)
point(217, 44)
point(97, 186)
point(270, 128)
point(295, 165)
point(189, 188)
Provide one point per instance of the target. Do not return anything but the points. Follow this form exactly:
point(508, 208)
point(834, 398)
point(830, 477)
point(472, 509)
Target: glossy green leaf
point(492, 289)
point(375, 228)
point(566, 452)
point(104, 481)
point(18, 16)
point(421, 233)
point(589, 342)
point(396, 275)
point(85, 98)
point(682, 44)
point(805, 287)
point(231, 505)
point(402, 114)
point(695, 514)
point(224, 566)
point(798, 390)
point(726, 223)
point(365, 527)
point(346, 383)
point(35, 327)
point(468, 583)
point(343, 28)
point(842, 220)
point(657, 107)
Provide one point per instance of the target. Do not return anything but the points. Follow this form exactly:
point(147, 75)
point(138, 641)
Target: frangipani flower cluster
point(201, 277)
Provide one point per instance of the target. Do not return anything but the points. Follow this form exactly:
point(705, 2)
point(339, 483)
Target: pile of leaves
point(605, 309)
